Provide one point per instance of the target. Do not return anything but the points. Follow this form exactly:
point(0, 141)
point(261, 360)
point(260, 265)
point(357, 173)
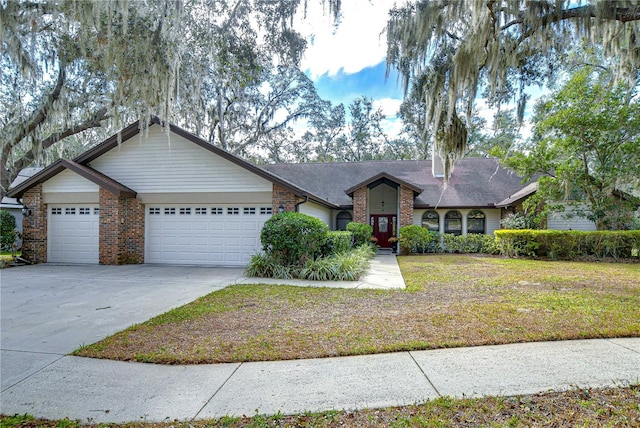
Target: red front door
point(384, 227)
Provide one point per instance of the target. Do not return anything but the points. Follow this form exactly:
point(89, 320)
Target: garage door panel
point(73, 233)
point(222, 235)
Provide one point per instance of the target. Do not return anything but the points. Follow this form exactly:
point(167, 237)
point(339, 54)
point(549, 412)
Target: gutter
point(306, 198)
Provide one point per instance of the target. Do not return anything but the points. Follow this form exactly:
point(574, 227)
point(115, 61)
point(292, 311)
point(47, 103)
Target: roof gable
point(383, 177)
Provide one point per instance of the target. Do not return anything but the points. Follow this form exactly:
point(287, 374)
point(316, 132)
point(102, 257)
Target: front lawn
point(452, 300)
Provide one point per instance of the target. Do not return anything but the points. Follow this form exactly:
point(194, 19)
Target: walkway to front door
point(384, 227)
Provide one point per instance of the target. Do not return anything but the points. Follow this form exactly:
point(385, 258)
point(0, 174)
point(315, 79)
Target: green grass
point(451, 301)
point(615, 407)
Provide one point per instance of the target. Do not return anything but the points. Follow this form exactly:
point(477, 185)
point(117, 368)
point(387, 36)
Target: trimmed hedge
point(7, 230)
point(417, 239)
point(293, 238)
point(362, 232)
point(337, 242)
point(568, 244)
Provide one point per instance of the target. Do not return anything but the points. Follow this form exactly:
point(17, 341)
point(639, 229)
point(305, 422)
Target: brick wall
point(121, 230)
point(284, 197)
point(360, 205)
point(406, 206)
point(34, 226)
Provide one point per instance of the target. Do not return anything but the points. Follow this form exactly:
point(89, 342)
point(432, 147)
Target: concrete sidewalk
point(110, 391)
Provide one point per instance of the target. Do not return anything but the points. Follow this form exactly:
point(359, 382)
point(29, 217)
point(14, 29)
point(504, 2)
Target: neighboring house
point(173, 198)
point(14, 206)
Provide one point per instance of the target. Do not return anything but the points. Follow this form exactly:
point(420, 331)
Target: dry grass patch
point(582, 407)
point(452, 300)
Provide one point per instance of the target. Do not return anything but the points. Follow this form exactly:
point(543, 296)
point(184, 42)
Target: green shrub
point(568, 244)
point(293, 238)
point(362, 232)
point(337, 242)
point(7, 230)
point(417, 239)
point(470, 243)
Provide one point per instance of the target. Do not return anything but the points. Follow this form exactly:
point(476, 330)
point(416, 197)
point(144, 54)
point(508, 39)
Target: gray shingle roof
point(475, 182)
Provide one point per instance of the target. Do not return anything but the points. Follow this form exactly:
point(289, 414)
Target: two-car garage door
point(216, 235)
point(222, 235)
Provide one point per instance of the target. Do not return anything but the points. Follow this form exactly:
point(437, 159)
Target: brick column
point(121, 230)
point(406, 206)
point(360, 205)
point(34, 226)
point(284, 197)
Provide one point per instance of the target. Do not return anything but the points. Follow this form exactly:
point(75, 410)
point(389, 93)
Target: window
point(216, 211)
point(154, 211)
point(476, 222)
point(431, 221)
point(70, 211)
point(453, 223)
point(248, 211)
point(201, 211)
point(342, 220)
point(233, 211)
point(266, 210)
point(96, 211)
point(185, 211)
point(169, 211)
point(56, 211)
point(85, 211)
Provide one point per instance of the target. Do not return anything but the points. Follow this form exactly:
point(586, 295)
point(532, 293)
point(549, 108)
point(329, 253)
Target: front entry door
point(384, 227)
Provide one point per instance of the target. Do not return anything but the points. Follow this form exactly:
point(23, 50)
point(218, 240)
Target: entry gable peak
point(385, 178)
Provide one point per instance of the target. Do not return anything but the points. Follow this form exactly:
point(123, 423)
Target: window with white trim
point(70, 211)
point(248, 211)
point(216, 211)
point(184, 211)
point(201, 211)
point(96, 211)
point(431, 221)
point(154, 211)
point(85, 211)
point(56, 211)
point(266, 210)
point(233, 211)
point(476, 222)
point(169, 211)
point(453, 223)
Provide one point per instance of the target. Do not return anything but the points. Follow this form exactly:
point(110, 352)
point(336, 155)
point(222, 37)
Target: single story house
point(170, 197)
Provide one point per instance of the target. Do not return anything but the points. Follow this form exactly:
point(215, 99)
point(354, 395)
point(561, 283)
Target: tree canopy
point(452, 50)
point(586, 146)
point(68, 66)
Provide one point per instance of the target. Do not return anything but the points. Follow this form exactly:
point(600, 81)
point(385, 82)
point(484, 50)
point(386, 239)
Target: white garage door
point(73, 233)
point(217, 235)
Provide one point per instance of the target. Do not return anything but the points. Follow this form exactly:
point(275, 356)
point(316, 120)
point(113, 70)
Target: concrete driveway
point(50, 310)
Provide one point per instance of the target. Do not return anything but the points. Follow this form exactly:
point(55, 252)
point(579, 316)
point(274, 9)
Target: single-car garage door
point(217, 235)
point(73, 233)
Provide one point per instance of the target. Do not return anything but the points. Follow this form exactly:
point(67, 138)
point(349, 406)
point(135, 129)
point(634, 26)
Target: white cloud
point(356, 43)
point(389, 106)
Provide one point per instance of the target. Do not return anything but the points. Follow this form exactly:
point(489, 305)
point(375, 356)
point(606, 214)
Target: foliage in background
point(587, 147)
point(361, 232)
point(568, 244)
point(8, 233)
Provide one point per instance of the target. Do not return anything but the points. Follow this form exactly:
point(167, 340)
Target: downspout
point(306, 198)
